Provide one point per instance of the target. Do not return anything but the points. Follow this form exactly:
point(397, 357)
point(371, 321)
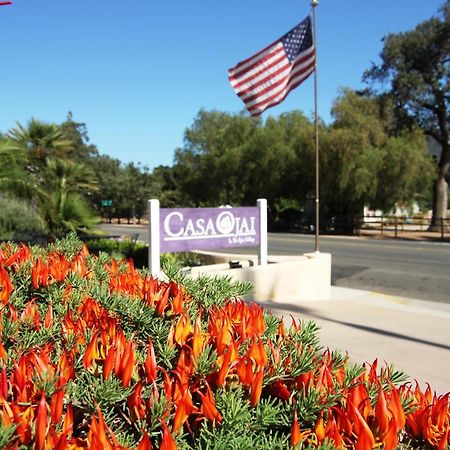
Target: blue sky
point(137, 72)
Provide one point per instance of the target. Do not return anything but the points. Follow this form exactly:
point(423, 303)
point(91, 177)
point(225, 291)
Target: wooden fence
point(398, 225)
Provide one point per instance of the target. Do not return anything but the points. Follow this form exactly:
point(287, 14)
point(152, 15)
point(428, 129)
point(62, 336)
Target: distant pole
point(314, 4)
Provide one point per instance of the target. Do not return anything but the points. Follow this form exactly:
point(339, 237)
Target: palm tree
point(66, 208)
point(18, 193)
point(53, 184)
point(39, 140)
point(14, 178)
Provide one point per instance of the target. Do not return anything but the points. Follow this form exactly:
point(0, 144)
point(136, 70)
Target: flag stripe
point(248, 63)
point(276, 99)
point(299, 69)
point(261, 68)
point(257, 86)
point(266, 78)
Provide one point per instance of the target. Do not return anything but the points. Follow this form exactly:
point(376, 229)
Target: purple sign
point(188, 229)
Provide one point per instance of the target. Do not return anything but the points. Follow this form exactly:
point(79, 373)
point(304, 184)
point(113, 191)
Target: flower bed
point(96, 354)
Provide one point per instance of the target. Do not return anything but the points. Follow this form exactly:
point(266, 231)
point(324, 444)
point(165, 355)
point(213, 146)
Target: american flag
point(265, 79)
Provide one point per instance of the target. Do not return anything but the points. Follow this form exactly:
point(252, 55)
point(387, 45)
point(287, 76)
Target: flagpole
point(314, 4)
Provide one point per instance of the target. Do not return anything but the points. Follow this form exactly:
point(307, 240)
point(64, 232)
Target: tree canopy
point(414, 70)
point(232, 159)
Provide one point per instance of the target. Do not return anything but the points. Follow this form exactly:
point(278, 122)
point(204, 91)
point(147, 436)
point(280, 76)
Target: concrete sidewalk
point(412, 335)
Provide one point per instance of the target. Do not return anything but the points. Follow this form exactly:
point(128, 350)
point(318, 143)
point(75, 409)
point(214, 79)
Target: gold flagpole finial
point(314, 3)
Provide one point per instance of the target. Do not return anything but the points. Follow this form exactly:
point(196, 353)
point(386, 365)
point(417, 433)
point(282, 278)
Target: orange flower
point(185, 362)
point(19, 257)
point(66, 368)
point(167, 442)
point(258, 353)
point(56, 406)
point(396, 408)
point(305, 380)
point(150, 363)
point(31, 315)
point(332, 431)
point(127, 364)
point(324, 380)
point(78, 264)
point(144, 443)
point(162, 300)
point(257, 318)
point(41, 423)
point(279, 389)
point(296, 435)
point(280, 330)
point(6, 286)
point(3, 354)
point(48, 319)
point(3, 383)
point(183, 329)
point(256, 387)
point(97, 433)
point(58, 266)
point(390, 437)
point(23, 419)
point(224, 368)
point(184, 410)
point(67, 427)
point(91, 352)
point(198, 340)
point(366, 440)
point(177, 302)
point(135, 402)
point(382, 413)
point(108, 364)
point(39, 274)
point(244, 371)
point(319, 430)
point(208, 408)
point(224, 338)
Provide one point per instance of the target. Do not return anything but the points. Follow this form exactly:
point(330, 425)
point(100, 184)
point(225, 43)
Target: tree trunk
point(440, 188)
point(440, 192)
point(440, 202)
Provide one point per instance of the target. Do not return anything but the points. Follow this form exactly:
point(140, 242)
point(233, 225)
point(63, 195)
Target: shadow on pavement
point(300, 309)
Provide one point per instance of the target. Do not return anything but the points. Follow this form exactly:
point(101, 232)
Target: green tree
point(164, 185)
point(278, 163)
point(82, 150)
point(135, 183)
point(13, 176)
point(108, 171)
point(209, 165)
point(47, 178)
point(406, 171)
point(416, 67)
point(63, 205)
point(39, 140)
point(364, 164)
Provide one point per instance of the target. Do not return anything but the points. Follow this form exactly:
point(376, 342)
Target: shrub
point(19, 220)
point(123, 248)
point(96, 354)
point(138, 252)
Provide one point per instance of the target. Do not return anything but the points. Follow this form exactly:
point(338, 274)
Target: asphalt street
point(411, 269)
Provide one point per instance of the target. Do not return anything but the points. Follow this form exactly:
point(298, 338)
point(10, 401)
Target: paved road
point(406, 268)
point(411, 269)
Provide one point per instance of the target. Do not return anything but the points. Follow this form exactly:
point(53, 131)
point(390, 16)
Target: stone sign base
point(285, 279)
